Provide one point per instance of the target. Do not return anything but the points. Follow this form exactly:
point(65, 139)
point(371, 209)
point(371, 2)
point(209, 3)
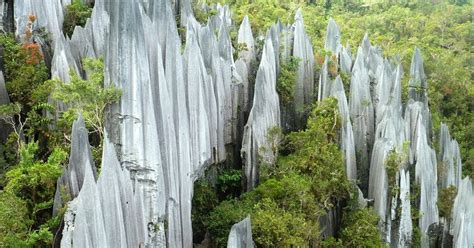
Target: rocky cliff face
point(185, 103)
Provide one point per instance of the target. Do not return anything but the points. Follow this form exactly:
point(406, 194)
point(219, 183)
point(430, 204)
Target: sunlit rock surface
point(240, 235)
point(97, 216)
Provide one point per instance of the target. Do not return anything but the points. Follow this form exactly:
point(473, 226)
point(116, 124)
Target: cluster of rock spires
point(182, 111)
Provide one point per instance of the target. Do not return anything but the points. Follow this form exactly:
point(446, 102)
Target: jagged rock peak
point(418, 86)
point(72, 178)
point(245, 36)
point(362, 116)
point(303, 50)
point(264, 115)
point(450, 156)
point(333, 38)
point(240, 235)
point(107, 213)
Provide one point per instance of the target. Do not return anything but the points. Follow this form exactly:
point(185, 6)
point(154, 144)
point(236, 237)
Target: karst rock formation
point(187, 103)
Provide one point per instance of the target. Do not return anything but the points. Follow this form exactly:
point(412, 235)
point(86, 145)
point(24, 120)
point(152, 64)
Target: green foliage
point(393, 163)
point(360, 229)
point(202, 15)
point(28, 198)
point(14, 219)
point(77, 14)
point(88, 97)
point(226, 214)
point(33, 180)
point(273, 226)
point(285, 208)
point(446, 200)
point(24, 72)
point(229, 183)
point(204, 201)
point(287, 79)
point(314, 152)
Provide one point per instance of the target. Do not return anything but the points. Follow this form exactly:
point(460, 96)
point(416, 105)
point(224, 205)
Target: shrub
point(360, 229)
point(287, 79)
point(77, 14)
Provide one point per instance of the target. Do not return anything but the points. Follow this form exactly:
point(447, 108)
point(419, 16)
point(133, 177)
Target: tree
point(86, 96)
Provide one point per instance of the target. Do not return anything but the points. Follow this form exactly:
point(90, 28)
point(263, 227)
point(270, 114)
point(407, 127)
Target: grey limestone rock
point(49, 14)
point(378, 185)
point(417, 86)
point(333, 38)
point(72, 178)
point(462, 226)
point(347, 137)
point(406, 226)
point(264, 115)
point(362, 116)
point(302, 49)
point(240, 235)
point(245, 36)
point(426, 176)
point(106, 213)
point(451, 157)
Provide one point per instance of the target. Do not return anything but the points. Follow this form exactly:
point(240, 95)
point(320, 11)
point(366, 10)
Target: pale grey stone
point(72, 178)
point(240, 235)
point(265, 114)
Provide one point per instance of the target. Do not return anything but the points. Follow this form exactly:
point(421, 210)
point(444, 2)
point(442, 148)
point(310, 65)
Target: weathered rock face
point(362, 116)
point(303, 50)
point(49, 14)
point(451, 159)
point(329, 88)
point(96, 217)
point(6, 16)
point(240, 235)
point(405, 226)
point(462, 226)
point(265, 114)
point(378, 185)
point(418, 87)
point(72, 179)
point(347, 136)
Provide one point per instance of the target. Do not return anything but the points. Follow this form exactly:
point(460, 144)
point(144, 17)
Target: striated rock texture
point(451, 159)
point(462, 226)
point(405, 230)
point(72, 179)
point(96, 217)
point(329, 88)
point(303, 50)
point(362, 116)
point(240, 235)
point(265, 114)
